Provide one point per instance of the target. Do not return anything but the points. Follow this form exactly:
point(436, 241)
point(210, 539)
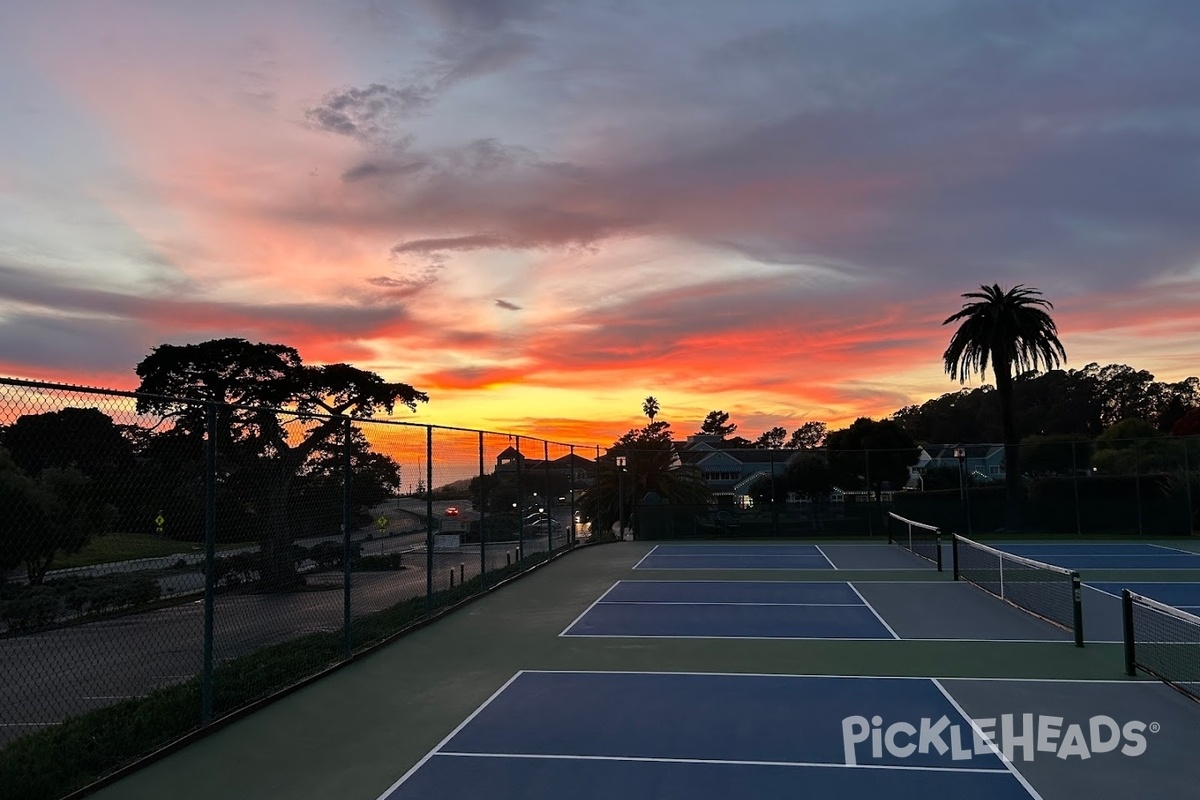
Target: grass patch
point(127, 546)
point(58, 760)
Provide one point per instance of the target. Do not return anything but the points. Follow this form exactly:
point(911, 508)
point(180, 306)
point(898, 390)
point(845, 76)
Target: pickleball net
point(1163, 641)
point(917, 538)
point(1046, 591)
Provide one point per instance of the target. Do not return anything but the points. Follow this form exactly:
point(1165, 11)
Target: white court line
point(783, 544)
point(787, 569)
point(643, 558)
point(589, 608)
point(718, 761)
point(818, 638)
point(1176, 549)
point(833, 580)
point(742, 555)
point(721, 603)
point(990, 744)
point(1125, 682)
point(27, 724)
point(827, 558)
point(449, 736)
point(873, 611)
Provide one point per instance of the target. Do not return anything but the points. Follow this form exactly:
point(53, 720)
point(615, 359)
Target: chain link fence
point(1146, 487)
point(159, 572)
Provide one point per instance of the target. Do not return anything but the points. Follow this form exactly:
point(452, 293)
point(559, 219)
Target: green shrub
point(30, 607)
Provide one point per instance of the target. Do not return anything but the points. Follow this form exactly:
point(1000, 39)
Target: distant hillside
point(453, 491)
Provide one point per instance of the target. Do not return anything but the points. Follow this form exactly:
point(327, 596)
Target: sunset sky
point(541, 212)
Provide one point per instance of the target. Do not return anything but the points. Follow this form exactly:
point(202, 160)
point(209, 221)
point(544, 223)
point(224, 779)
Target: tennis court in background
point(758, 557)
point(1107, 555)
point(935, 610)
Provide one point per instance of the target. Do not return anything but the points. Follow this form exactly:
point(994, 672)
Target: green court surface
point(353, 734)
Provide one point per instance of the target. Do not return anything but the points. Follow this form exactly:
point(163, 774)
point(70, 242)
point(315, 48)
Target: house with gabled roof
point(573, 466)
point(984, 462)
point(731, 471)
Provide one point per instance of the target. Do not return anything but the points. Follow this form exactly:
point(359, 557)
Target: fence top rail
point(1163, 608)
point(1029, 562)
point(81, 389)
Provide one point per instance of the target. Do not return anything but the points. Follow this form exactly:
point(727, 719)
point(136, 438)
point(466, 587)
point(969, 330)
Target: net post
point(954, 554)
point(937, 543)
point(1077, 608)
point(1127, 625)
point(891, 539)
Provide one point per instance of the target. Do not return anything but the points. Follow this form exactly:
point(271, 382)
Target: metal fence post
point(347, 521)
point(520, 502)
point(599, 496)
point(210, 561)
point(549, 498)
point(429, 518)
point(870, 496)
point(1187, 483)
point(1075, 486)
point(1137, 487)
point(774, 499)
point(482, 516)
point(571, 489)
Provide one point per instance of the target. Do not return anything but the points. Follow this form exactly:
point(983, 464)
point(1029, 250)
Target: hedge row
point(24, 608)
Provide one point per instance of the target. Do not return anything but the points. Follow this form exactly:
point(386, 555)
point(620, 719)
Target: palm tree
point(1008, 329)
point(650, 407)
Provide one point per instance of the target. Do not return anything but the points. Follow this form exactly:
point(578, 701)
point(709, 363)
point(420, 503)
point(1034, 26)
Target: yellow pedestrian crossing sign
point(381, 522)
point(158, 522)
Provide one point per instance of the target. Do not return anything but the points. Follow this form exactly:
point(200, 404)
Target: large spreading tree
point(651, 465)
point(275, 413)
point(1007, 330)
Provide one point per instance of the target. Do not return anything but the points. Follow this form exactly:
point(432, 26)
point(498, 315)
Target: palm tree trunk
point(1012, 449)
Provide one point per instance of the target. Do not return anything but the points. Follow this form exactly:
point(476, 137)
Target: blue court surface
point(1185, 596)
point(651, 736)
point(1101, 555)
point(731, 609)
point(736, 556)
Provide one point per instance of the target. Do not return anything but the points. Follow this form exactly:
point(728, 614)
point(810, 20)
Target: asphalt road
point(48, 676)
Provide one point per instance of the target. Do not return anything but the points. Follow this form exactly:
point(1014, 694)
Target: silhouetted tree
point(808, 436)
point(56, 513)
point(84, 438)
point(1188, 424)
point(1008, 330)
point(771, 439)
point(650, 407)
point(871, 453)
point(717, 424)
point(255, 438)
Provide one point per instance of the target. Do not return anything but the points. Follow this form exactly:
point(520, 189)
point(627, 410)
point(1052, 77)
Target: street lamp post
point(621, 496)
point(964, 492)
